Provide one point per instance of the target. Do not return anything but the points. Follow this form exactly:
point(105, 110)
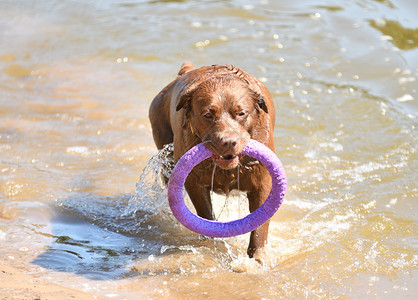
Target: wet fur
point(221, 106)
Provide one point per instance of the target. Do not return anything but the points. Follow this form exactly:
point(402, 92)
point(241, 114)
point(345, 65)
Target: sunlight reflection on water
point(76, 81)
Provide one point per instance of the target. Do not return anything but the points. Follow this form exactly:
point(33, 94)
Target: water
point(76, 81)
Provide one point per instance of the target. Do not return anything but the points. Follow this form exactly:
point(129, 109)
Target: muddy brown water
point(76, 81)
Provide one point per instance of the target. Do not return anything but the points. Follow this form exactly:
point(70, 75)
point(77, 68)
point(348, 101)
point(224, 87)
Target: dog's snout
point(229, 142)
point(226, 143)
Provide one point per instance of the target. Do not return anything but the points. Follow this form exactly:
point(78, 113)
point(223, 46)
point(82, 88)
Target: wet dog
point(223, 107)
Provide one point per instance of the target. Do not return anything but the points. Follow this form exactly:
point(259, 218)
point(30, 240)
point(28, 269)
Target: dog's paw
point(259, 256)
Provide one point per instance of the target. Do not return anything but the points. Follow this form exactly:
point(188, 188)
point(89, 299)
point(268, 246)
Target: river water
point(80, 200)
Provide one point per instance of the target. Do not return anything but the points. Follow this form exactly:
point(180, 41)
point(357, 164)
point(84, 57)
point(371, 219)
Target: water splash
point(151, 189)
point(129, 214)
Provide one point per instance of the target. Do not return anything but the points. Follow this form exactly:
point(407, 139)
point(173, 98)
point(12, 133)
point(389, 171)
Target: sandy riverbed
point(16, 283)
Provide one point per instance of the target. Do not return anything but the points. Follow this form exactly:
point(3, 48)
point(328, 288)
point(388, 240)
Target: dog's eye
point(208, 115)
point(242, 114)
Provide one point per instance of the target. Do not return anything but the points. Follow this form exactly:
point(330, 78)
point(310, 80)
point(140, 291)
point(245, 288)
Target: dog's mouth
point(228, 157)
point(226, 161)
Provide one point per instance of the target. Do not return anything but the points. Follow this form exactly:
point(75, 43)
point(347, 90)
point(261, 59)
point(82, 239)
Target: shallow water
point(76, 81)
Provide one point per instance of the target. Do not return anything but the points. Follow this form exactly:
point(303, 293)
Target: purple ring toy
point(226, 229)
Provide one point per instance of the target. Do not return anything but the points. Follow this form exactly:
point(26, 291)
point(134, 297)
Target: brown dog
point(223, 107)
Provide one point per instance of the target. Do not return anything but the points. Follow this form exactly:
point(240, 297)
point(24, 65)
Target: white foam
point(80, 150)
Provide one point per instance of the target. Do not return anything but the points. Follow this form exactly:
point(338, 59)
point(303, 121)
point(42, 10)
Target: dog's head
point(224, 113)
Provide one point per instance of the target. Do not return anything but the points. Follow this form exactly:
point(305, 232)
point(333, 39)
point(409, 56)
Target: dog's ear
point(185, 67)
point(259, 99)
point(184, 101)
point(262, 104)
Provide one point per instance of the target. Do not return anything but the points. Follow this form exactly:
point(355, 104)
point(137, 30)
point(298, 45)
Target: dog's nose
point(227, 143)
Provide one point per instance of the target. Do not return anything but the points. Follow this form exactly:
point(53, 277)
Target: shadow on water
point(92, 239)
point(99, 237)
point(113, 237)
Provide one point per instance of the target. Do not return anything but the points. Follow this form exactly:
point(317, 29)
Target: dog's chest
point(224, 181)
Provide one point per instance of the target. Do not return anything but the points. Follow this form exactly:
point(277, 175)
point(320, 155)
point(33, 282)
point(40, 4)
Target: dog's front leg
point(258, 237)
point(200, 197)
